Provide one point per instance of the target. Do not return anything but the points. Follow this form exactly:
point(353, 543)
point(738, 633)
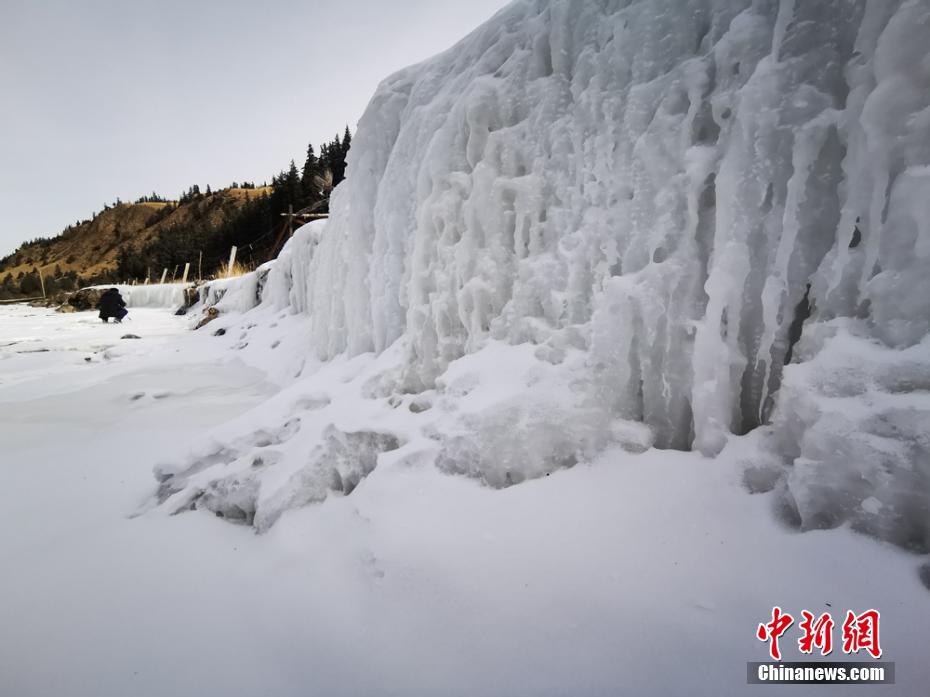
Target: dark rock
point(181, 312)
point(219, 332)
point(55, 300)
point(85, 298)
point(191, 296)
point(210, 314)
point(130, 336)
point(262, 276)
point(923, 573)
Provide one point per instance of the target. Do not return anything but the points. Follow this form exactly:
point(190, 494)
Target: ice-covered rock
point(668, 200)
point(236, 294)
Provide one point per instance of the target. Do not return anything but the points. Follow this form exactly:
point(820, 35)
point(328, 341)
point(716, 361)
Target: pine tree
point(30, 284)
point(337, 161)
point(310, 172)
point(346, 142)
point(293, 191)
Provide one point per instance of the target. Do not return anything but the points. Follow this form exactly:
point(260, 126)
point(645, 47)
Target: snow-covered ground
point(414, 453)
point(631, 574)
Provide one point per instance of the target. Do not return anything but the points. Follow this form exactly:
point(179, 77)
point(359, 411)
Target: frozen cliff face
point(662, 178)
point(668, 201)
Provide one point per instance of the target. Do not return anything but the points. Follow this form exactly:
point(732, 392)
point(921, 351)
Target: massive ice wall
point(676, 198)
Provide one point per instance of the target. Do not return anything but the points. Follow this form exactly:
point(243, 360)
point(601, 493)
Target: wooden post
point(148, 274)
point(174, 274)
point(199, 270)
point(232, 261)
point(187, 268)
point(41, 281)
point(290, 219)
point(164, 275)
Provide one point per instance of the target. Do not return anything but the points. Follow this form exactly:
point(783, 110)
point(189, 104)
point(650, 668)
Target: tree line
point(29, 285)
point(254, 228)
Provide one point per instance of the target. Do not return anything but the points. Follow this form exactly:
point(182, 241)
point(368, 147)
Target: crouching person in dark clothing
point(112, 305)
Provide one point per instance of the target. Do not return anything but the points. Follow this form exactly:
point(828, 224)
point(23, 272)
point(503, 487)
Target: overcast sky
point(117, 98)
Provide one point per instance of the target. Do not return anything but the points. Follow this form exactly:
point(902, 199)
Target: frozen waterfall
point(709, 215)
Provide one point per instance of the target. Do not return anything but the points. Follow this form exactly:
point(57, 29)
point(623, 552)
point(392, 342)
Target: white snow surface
point(634, 257)
point(627, 574)
point(644, 201)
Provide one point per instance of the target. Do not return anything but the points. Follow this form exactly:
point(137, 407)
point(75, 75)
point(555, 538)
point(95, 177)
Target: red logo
point(773, 630)
point(860, 632)
point(817, 633)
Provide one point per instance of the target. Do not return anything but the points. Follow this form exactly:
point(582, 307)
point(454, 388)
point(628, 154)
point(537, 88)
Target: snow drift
point(670, 222)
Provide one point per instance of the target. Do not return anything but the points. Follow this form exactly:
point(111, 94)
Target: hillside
point(92, 247)
point(134, 242)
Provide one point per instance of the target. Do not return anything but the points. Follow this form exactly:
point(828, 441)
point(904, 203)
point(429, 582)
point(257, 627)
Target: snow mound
point(658, 205)
point(237, 294)
point(855, 422)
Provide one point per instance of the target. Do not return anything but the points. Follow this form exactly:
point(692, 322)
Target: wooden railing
point(21, 300)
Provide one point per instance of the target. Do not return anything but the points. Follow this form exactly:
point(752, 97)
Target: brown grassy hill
point(92, 247)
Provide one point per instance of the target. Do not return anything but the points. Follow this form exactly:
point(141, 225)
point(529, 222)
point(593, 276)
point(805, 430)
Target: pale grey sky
point(116, 98)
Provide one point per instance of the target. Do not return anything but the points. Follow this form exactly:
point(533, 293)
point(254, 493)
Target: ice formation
point(166, 295)
point(655, 206)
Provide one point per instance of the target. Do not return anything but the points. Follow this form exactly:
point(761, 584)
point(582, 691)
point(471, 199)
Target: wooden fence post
point(187, 268)
point(232, 261)
point(199, 269)
point(164, 275)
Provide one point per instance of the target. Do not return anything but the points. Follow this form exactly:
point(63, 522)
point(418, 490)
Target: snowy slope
point(632, 574)
point(648, 202)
